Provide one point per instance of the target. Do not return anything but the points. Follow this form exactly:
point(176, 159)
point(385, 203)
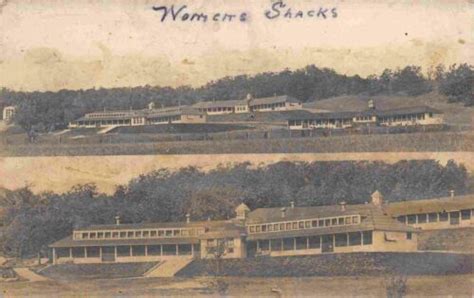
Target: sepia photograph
point(237, 148)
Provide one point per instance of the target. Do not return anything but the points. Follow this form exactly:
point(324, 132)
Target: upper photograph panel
point(120, 78)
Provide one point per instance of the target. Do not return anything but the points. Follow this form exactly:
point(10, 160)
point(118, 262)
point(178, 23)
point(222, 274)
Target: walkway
point(29, 275)
point(168, 268)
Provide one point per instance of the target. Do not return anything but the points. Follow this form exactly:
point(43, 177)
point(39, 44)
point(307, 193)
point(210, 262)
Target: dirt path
point(29, 275)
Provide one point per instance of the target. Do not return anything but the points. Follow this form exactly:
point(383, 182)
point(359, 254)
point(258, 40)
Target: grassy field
point(413, 142)
point(452, 285)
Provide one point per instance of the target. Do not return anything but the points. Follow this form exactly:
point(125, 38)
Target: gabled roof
point(430, 205)
point(219, 104)
point(273, 99)
point(372, 217)
point(379, 113)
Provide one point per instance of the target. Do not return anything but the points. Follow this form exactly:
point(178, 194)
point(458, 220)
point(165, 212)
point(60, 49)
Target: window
point(282, 227)
point(288, 244)
point(93, 252)
point(340, 220)
point(176, 232)
point(307, 224)
point(409, 235)
point(93, 235)
point(252, 229)
point(146, 233)
point(130, 234)
point(367, 237)
point(355, 238)
point(107, 234)
point(168, 233)
point(314, 242)
point(161, 233)
point(422, 218)
point(138, 250)
point(115, 234)
point(402, 219)
point(347, 220)
point(432, 217)
point(321, 223)
point(153, 234)
point(276, 227)
point(257, 229)
point(334, 221)
point(123, 234)
point(184, 233)
point(465, 214)
point(327, 222)
point(270, 228)
point(341, 240)
point(301, 242)
point(85, 235)
point(264, 228)
point(138, 234)
point(264, 245)
point(301, 225)
point(443, 216)
point(295, 225)
point(411, 219)
point(314, 223)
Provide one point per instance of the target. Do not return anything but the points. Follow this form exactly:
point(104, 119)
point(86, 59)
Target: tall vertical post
point(177, 249)
point(54, 256)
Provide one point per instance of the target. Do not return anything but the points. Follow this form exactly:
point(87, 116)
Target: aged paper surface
point(237, 148)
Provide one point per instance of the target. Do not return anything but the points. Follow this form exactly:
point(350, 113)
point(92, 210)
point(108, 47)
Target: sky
point(60, 44)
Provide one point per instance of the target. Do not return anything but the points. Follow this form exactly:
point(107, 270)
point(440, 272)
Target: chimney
point(283, 212)
point(371, 104)
point(377, 198)
point(451, 193)
point(292, 204)
point(188, 218)
point(117, 220)
point(343, 206)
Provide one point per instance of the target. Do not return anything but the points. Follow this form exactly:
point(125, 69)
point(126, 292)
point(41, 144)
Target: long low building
point(249, 104)
point(377, 226)
point(408, 116)
point(148, 116)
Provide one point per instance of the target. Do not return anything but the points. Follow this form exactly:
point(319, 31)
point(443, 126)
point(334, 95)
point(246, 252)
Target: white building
point(8, 113)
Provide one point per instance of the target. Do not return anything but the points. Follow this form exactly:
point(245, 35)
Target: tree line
point(32, 221)
point(47, 111)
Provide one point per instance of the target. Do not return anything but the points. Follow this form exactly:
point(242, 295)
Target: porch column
point(347, 239)
point(361, 238)
point(70, 252)
point(146, 250)
point(307, 242)
point(100, 252)
point(177, 250)
point(258, 245)
point(131, 252)
point(333, 242)
point(115, 252)
point(281, 244)
point(294, 243)
point(192, 249)
point(85, 251)
point(54, 256)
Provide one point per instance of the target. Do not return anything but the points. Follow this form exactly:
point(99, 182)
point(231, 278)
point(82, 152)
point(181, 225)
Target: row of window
point(363, 118)
point(314, 242)
point(165, 119)
point(305, 224)
point(127, 251)
point(137, 234)
point(268, 106)
point(100, 115)
point(104, 122)
point(319, 122)
point(422, 218)
point(222, 109)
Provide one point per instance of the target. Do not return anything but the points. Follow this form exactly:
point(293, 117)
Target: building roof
point(159, 225)
point(430, 205)
point(219, 104)
point(273, 99)
point(351, 114)
point(372, 218)
point(69, 242)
